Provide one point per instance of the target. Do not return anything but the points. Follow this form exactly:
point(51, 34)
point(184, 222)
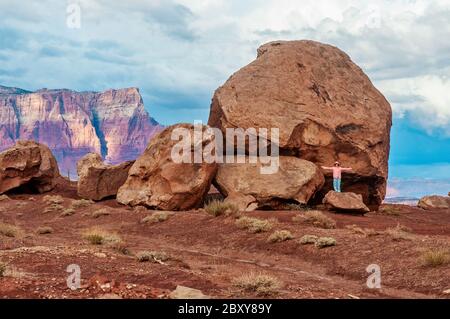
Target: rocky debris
point(434, 202)
point(155, 180)
point(28, 164)
point(245, 187)
point(345, 202)
point(113, 123)
point(325, 107)
point(96, 180)
point(182, 292)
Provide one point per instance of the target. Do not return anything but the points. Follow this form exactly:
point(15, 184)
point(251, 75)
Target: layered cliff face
point(113, 123)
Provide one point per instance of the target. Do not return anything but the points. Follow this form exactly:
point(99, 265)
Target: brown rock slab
point(28, 164)
point(324, 105)
point(345, 202)
point(434, 202)
point(96, 180)
point(155, 180)
point(182, 292)
point(244, 185)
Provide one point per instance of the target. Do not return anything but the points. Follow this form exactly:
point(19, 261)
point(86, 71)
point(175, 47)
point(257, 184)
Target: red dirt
point(208, 253)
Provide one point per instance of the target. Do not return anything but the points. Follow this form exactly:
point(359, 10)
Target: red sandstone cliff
point(113, 123)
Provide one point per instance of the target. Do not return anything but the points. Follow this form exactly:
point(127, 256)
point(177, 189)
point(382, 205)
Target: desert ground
point(41, 234)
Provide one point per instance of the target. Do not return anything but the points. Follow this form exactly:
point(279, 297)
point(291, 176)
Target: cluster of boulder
point(325, 108)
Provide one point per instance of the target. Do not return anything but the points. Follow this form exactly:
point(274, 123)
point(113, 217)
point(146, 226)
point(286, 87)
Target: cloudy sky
point(179, 51)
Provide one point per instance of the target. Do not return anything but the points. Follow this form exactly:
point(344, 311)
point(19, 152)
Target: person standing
point(337, 175)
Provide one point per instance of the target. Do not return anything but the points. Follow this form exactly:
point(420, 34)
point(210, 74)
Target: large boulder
point(345, 202)
point(158, 181)
point(324, 105)
point(434, 202)
point(96, 180)
point(296, 180)
point(30, 165)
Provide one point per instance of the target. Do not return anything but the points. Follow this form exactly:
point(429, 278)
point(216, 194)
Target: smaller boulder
point(345, 202)
point(434, 202)
point(96, 180)
point(28, 164)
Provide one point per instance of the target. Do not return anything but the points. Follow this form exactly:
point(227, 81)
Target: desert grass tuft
point(399, 233)
point(53, 199)
point(435, 258)
point(218, 208)
point(261, 284)
point(157, 217)
point(81, 203)
point(9, 230)
point(2, 269)
point(308, 240)
point(323, 242)
point(254, 225)
point(98, 236)
point(316, 218)
point(68, 212)
point(280, 236)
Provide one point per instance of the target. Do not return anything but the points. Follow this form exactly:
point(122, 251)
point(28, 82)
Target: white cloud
point(187, 48)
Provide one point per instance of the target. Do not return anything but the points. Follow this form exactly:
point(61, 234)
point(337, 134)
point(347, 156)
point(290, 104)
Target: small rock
point(447, 292)
point(100, 255)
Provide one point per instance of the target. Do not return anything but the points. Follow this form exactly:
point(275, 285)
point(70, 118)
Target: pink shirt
point(337, 171)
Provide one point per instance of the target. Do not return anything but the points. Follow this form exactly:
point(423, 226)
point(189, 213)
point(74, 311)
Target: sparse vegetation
point(140, 209)
point(67, 212)
point(100, 212)
point(152, 256)
point(156, 217)
point(4, 197)
point(262, 285)
point(44, 230)
point(280, 236)
point(2, 269)
point(53, 199)
point(316, 218)
point(81, 203)
point(98, 236)
point(435, 258)
point(53, 208)
point(323, 242)
point(367, 232)
point(389, 210)
point(399, 233)
point(218, 208)
point(254, 225)
point(9, 230)
point(308, 240)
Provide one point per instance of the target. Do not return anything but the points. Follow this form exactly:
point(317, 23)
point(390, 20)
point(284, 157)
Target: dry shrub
point(367, 232)
point(44, 230)
point(315, 218)
point(399, 233)
point(261, 284)
point(280, 236)
point(9, 230)
point(99, 213)
point(4, 197)
point(435, 258)
point(156, 217)
point(53, 199)
point(81, 203)
point(2, 269)
point(254, 225)
point(218, 208)
point(389, 210)
point(68, 212)
point(308, 239)
point(152, 256)
point(98, 236)
point(53, 208)
point(323, 242)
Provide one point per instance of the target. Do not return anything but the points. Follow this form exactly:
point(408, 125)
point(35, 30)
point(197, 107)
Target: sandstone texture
point(345, 202)
point(157, 181)
point(324, 105)
point(96, 180)
point(245, 187)
point(28, 164)
point(113, 123)
point(434, 202)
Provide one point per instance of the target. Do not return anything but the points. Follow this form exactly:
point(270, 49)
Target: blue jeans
point(337, 184)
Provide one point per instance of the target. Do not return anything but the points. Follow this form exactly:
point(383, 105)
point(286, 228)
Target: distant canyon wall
point(113, 123)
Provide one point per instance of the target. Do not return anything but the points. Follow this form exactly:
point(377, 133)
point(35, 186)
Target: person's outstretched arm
point(346, 169)
point(326, 167)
